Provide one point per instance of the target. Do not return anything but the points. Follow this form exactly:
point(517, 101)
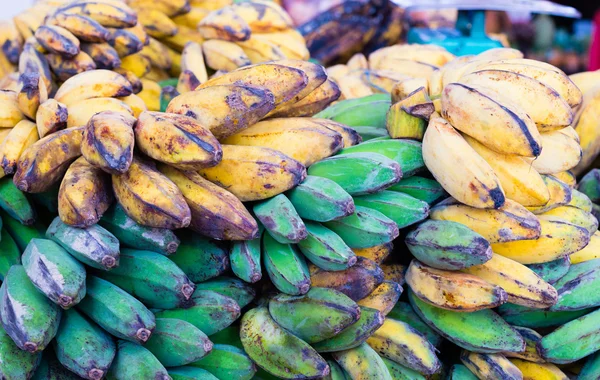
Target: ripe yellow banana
point(104, 55)
point(28, 21)
point(82, 27)
point(358, 62)
point(32, 92)
point(65, 68)
point(22, 136)
point(313, 103)
point(192, 59)
point(183, 36)
point(499, 53)
point(336, 72)
point(261, 50)
point(383, 81)
point(567, 177)
point(403, 88)
point(136, 104)
point(10, 82)
point(113, 14)
point(224, 24)
point(589, 252)
point(560, 195)
point(137, 63)
point(224, 55)
point(192, 18)
point(263, 16)
point(136, 83)
point(169, 7)
point(11, 41)
point(158, 54)
point(429, 54)
point(51, 116)
point(546, 371)
point(352, 86)
point(32, 61)
point(187, 82)
point(156, 23)
point(586, 127)
point(125, 41)
point(10, 114)
point(490, 366)
point(150, 94)
point(561, 152)
point(58, 40)
point(93, 84)
point(315, 75)
point(81, 112)
point(290, 42)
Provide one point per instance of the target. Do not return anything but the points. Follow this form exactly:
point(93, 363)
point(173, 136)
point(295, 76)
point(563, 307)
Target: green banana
point(176, 343)
point(402, 311)
point(136, 362)
point(280, 219)
point(407, 153)
point(560, 195)
point(335, 371)
point(494, 366)
point(590, 185)
point(21, 234)
point(579, 288)
point(354, 335)
point(14, 362)
point(537, 318)
point(200, 258)
point(357, 282)
point(227, 362)
point(315, 316)
point(9, 253)
point(326, 249)
point(365, 228)
point(362, 362)
point(47, 199)
point(276, 350)
point(321, 199)
point(399, 372)
point(116, 311)
point(491, 335)
point(152, 278)
point(460, 372)
point(51, 369)
point(231, 287)
point(368, 133)
point(552, 271)
point(245, 259)
point(27, 316)
point(367, 111)
point(209, 311)
point(190, 373)
point(580, 200)
point(229, 335)
point(401, 208)
point(285, 266)
point(15, 202)
point(532, 339)
point(54, 272)
point(133, 235)
point(425, 189)
point(93, 246)
point(83, 347)
point(591, 368)
point(448, 245)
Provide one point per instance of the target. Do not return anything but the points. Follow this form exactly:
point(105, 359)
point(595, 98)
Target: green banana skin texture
point(27, 316)
point(190, 373)
point(403, 312)
point(532, 338)
point(461, 372)
point(407, 153)
point(580, 200)
point(276, 350)
point(353, 362)
point(15, 202)
point(537, 318)
point(9, 253)
point(579, 288)
point(493, 370)
point(358, 173)
point(176, 343)
point(227, 362)
point(15, 363)
point(209, 311)
point(83, 347)
point(93, 246)
point(116, 311)
point(575, 216)
point(134, 235)
point(321, 199)
point(401, 208)
point(371, 114)
point(245, 257)
point(22, 234)
point(354, 335)
point(368, 133)
point(335, 371)
point(229, 335)
point(573, 340)
point(51, 369)
point(318, 315)
point(591, 368)
point(326, 249)
point(136, 362)
point(492, 335)
point(448, 245)
point(231, 287)
point(365, 228)
point(152, 278)
point(552, 271)
point(399, 372)
point(336, 108)
point(590, 185)
point(200, 258)
point(425, 189)
point(285, 266)
point(280, 219)
point(356, 282)
point(54, 272)
point(47, 199)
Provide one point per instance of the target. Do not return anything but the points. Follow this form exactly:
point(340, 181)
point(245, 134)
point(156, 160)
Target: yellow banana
point(125, 41)
point(136, 83)
point(10, 114)
point(589, 252)
point(586, 80)
point(261, 50)
point(490, 366)
point(224, 55)
point(567, 177)
point(351, 137)
point(560, 194)
point(336, 72)
point(224, 24)
point(28, 21)
point(158, 54)
point(187, 82)
point(22, 136)
point(561, 152)
point(104, 55)
point(32, 92)
point(32, 61)
point(136, 104)
point(11, 41)
point(51, 116)
point(183, 36)
point(157, 75)
point(415, 69)
point(156, 23)
point(175, 58)
point(140, 34)
point(403, 88)
point(383, 297)
point(82, 27)
point(383, 81)
point(358, 62)
point(211, 5)
point(499, 53)
point(10, 82)
point(113, 14)
point(313, 103)
point(352, 86)
point(541, 371)
point(93, 84)
point(429, 54)
point(377, 253)
point(587, 127)
point(150, 94)
point(169, 7)
point(263, 16)
point(290, 42)
point(137, 63)
point(81, 112)
point(65, 68)
point(192, 59)
point(575, 216)
point(58, 40)
point(362, 363)
point(192, 18)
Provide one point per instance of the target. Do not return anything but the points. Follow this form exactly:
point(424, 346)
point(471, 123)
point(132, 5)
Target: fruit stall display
point(184, 195)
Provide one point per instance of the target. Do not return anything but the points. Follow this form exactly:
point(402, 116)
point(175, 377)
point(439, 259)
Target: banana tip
point(187, 290)
point(255, 277)
point(172, 247)
point(109, 262)
point(96, 374)
point(30, 347)
point(143, 335)
point(65, 301)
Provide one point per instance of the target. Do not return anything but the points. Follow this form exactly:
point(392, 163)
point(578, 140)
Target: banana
point(192, 59)
point(415, 69)
point(585, 126)
point(357, 282)
point(10, 82)
point(58, 40)
point(258, 179)
point(290, 42)
point(92, 84)
point(137, 63)
point(401, 208)
point(158, 55)
point(150, 94)
point(566, 176)
point(260, 50)
point(10, 114)
point(224, 24)
point(335, 371)
point(263, 16)
point(136, 83)
point(156, 23)
point(575, 216)
point(313, 103)
point(362, 363)
point(81, 26)
point(150, 198)
point(193, 17)
point(187, 82)
point(431, 54)
point(14, 145)
point(224, 55)
point(11, 254)
point(80, 113)
point(552, 271)
point(558, 239)
point(231, 287)
point(136, 362)
point(474, 184)
point(560, 153)
point(209, 311)
point(408, 117)
point(326, 249)
point(125, 41)
point(590, 185)
point(44, 162)
point(175, 342)
point(286, 267)
point(384, 297)
point(589, 252)
point(28, 21)
point(15, 203)
point(11, 41)
point(83, 347)
point(560, 195)
point(64, 68)
point(183, 36)
point(16, 363)
point(245, 258)
point(377, 253)
point(367, 111)
point(28, 317)
point(492, 335)
point(577, 288)
point(190, 373)
point(376, 228)
point(104, 56)
point(580, 200)
point(425, 189)
point(281, 220)
point(403, 312)
point(227, 362)
point(350, 136)
point(590, 368)
point(51, 116)
point(20, 233)
point(532, 339)
point(490, 366)
point(531, 370)
point(352, 86)
point(403, 88)
point(115, 14)
point(536, 318)
point(321, 199)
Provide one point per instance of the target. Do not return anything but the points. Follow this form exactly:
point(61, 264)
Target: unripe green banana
point(229, 335)
point(425, 189)
point(537, 318)
point(365, 228)
point(321, 199)
point(326, 249)
point(460, 372)
point(27, 316)
point(191, 373)
point(403, 312)
point(494, 366)
point(231, 287)
point(399, 372)
point(335, 371)
point(200, 258)
point(407, 153)
point(362, 363)
point(116, 311)
point(286, 266)
point(356, 282)
point(47, 199)
point(136, 362)
point(276, 350)
point(368, 133)
point(590, 185)
point(579, 288)
point(245, 259)
point(552, 271)
point(93, 246)
point(354, 335)
point(369, 110)
point(580, 200)
point(83, 347)
point(51, 369)
point(54, 272)
point(21, 234)
point(209, 311)
point(591, 368)
point(134, 235)
point(11, 255)
point(448, 245)
point(227, 362)
point(280, 219)
point(401, 208)
point(358, 173)
point(15, 363)
point(175, 342)
point(532, 339)
point(152, 278)
point(318, 315)
point(15, 203)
